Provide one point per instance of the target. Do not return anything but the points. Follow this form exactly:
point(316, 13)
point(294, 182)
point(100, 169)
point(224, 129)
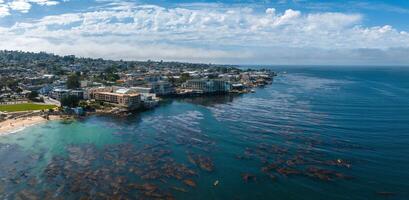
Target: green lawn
point(24, 107)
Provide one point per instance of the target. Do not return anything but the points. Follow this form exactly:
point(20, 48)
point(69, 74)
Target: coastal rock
point(190, 182)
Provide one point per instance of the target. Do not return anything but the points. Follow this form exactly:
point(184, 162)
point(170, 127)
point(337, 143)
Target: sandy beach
point(14, 125)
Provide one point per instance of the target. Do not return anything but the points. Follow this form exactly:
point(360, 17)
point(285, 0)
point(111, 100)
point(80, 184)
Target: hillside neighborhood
point(76, 85)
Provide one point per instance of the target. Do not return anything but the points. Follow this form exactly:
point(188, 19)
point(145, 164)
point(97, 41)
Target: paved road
point(48, 100)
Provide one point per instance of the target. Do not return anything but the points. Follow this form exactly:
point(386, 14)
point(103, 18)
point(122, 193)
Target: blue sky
point(290, 32)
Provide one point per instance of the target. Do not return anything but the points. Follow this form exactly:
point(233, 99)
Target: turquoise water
point(315, 133)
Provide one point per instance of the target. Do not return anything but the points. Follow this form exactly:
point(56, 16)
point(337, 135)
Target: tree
point(57, 70)
point(184, 77)
point(172, 80)
point(33, 95)
point(18, 90)
point(112, 77)
point(73, 81)
point(110, 74)
point(111, 70)
point(70, 101)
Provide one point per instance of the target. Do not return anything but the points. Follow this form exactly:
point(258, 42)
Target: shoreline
point(11, 126)
point(15, 125)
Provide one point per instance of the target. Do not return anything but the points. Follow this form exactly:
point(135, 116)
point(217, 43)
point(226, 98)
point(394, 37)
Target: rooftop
point(117, 94)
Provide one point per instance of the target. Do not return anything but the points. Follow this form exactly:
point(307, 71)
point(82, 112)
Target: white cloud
point(44, 2)
point(4, 10)
point(289, 16)
point(202, 34)
point(22, 5)
point(271, 11)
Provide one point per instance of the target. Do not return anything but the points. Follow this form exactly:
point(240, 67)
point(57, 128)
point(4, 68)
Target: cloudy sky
point(290, 32)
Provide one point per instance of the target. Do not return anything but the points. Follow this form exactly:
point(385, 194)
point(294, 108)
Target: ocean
point(315, 133)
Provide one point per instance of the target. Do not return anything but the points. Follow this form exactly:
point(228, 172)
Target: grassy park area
point(24, 107)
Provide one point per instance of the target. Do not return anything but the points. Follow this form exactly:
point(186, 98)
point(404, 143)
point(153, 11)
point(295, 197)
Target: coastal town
point(41, 85)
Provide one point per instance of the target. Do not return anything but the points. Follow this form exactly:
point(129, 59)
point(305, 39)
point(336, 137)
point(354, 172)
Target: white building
point(208, 85)
point(59, 93)
point(162, 88)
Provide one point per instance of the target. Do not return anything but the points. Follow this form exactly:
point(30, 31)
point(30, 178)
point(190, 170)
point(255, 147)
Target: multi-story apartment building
point(208, 85)
point(59, 93)
point(162, 88)
point(126, 100)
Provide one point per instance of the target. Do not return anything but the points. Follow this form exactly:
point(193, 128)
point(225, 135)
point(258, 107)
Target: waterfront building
point(149, 100)
point(78, 93)
point(90, 91)
point(238, 86)
point(59, 93)
point(132, 101)
point(162, 88)
point(208, 85)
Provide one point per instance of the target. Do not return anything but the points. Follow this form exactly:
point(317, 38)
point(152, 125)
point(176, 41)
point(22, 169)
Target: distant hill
point(51, 61)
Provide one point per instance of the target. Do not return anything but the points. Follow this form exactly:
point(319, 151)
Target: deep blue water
point(315, 133)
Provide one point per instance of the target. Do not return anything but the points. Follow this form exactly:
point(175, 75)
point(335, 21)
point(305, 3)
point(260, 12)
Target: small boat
point(252, 91)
